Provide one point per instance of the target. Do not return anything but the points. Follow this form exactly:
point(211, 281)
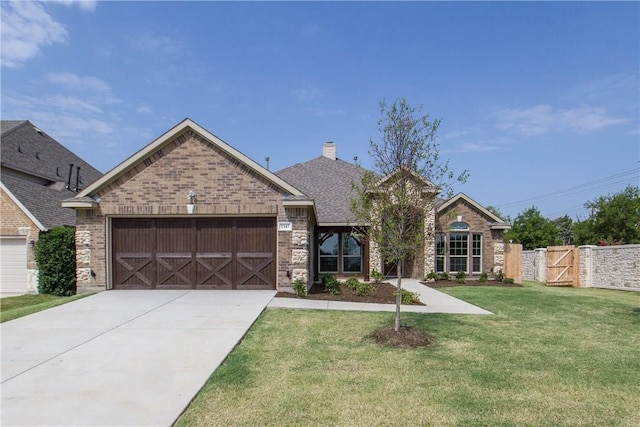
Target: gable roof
point(428, 186)
point(35, 170)
point(83, 199)
point(329, 183)
point(497, 222)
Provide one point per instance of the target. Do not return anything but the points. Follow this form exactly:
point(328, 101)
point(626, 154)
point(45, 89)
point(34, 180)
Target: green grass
point(14, 307)
point(548, 357)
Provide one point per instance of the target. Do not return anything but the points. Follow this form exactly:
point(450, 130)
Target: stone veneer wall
point(612, 267)
point(158, 186)
point(615, 267)
point(294, 251)
point(534, 265)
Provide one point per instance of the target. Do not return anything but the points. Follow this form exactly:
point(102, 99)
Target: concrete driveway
point(120, 358)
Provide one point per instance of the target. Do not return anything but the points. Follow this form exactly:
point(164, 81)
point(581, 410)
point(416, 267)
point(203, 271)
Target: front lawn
point(14, 307)
point(549, 356)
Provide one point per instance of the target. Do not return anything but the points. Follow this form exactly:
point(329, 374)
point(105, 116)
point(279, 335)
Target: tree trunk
point(396, 325)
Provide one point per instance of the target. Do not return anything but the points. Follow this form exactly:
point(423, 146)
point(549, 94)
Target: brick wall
point(492, 259)
point(159, 185)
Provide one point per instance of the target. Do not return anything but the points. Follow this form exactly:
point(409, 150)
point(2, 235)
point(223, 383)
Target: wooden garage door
point(194, 253)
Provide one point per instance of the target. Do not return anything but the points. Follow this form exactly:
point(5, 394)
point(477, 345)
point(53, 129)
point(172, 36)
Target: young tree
point(533, 230)
point(409, 173)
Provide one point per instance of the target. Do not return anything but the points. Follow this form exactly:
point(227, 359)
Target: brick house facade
point(246, 228)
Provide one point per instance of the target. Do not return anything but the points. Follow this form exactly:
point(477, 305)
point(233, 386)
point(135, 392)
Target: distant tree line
point(614, 220)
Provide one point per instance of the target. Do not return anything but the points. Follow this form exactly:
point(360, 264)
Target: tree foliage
point(533, 230)
point(409, 172)
point(615, 219)
point(55, 254)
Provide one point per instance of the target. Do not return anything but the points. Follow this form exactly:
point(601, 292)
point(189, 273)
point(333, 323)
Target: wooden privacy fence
point(563, 266)
point(513, 261)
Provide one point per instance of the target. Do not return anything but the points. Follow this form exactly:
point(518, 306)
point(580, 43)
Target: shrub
point(499, 275)
point(460, 277)
point(483, 277)
point(508, 280)
point(361, 288)
point(443, 276)
point(365, 289)
point(352, 283)
point(331, 284)
point(408, 297)
point(376, 276)
point(55, 254)
point(432, 276)
point(300, 288)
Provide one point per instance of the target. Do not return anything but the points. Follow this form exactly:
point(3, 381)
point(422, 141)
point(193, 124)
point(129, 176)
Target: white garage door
point(13, 265)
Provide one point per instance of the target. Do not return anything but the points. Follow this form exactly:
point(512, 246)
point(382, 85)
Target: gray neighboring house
point(36, 175)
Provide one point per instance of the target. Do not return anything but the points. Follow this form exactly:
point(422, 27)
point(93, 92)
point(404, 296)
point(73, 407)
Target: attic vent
point(329, 150)
point(19, 149)
point(37, 155)
point(37, 130)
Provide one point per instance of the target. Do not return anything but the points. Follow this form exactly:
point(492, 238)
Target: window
point(351, 254)
point(328, 250)
point(339, 253)
point(476, 253)
point(458, 252)
point(441, 251)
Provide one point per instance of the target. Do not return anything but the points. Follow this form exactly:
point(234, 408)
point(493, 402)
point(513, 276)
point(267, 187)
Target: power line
point(578, 189)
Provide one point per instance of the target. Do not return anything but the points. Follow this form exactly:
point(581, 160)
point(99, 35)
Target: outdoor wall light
point(191, 206)
point(31, 244)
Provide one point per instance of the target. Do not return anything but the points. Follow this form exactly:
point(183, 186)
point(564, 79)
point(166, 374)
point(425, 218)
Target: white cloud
point(81, 83)
point(144, 109)
point(543, 119)
point(87, 5)
point(471, 147)
point(70, 103)
point(26, 28)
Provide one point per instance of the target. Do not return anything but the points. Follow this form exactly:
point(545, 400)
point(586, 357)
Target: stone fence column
point(540, 265)
point(586, 266)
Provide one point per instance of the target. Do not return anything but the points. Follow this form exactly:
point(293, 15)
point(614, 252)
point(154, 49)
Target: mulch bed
point(406, 337)
point(384, 294)
point(452, 283)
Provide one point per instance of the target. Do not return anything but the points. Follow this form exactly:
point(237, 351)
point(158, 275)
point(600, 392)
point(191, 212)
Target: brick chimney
point(329, 150)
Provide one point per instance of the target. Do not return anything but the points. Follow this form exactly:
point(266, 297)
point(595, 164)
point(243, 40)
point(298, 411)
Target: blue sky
point(539, 101)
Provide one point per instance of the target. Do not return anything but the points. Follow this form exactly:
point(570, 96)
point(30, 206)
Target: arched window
point(459, 226)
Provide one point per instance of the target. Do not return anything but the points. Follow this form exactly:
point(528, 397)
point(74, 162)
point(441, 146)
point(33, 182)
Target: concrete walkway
point(119, 358)
point(436, 302)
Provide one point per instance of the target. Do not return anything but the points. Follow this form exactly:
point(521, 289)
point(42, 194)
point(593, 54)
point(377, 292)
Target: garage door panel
point(134, 270)
point(214, 270)
point(174, 270)
point(200, 253)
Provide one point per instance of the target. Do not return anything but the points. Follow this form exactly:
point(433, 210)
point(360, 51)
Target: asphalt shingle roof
point(35, 168)
point(329, 183)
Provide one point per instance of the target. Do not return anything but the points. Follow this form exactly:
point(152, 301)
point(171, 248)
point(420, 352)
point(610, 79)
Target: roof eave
point(500, 227)
point(79, 204)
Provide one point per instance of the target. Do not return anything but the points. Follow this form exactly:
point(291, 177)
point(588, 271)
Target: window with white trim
point(441, 251)
point(458, 252)
point(476, 253)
